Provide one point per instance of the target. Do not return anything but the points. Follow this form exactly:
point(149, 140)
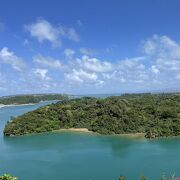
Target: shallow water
point(82, 156)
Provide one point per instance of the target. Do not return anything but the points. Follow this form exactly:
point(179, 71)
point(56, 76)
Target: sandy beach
point(133, 135)
point(77, 130)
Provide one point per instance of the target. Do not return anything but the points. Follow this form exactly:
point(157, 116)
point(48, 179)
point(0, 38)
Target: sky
point(89, 46)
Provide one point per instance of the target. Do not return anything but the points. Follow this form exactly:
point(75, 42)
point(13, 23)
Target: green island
point(154, 115)
point(32, 98)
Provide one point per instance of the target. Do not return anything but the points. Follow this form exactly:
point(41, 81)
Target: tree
point(8, 177)
point(163, 177)
point(122, 178)
point(143, 178)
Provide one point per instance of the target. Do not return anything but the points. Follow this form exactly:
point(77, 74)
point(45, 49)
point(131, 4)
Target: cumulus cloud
point(43, 30)
point(87, 70)
point(81, 76)
point(164, 55)
point(132, 63)
point(161, 47)
point(160, 64)
point(41, 74)
point(47, 61)
point(8, 57)
point(130, 71)
point(94, 64)
point(157, 68)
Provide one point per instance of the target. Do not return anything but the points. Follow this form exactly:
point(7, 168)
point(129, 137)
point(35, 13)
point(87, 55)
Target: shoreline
point(78, 130)
point(75, 130)
point(86, 131)
point(11, 105)
point(27, 104)
point(132, 135)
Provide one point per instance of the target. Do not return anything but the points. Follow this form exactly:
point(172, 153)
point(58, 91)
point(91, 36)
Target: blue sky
point(89, 47)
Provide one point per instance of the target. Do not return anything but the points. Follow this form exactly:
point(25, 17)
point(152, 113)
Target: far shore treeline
point(155, 115)
point(163, 177)
point(34, 98)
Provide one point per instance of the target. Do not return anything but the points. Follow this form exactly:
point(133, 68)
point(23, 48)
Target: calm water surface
point(81, 156)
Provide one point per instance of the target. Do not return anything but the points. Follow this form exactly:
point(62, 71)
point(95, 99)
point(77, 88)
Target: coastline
point(11, 105)
point(78, 130)
point(27, 104)
point(84, 130)
point(133, 135)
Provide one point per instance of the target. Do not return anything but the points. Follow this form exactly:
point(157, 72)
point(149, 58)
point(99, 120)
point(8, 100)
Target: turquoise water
point(81, 156)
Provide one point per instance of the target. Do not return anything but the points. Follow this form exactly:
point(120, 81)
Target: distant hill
point(33, 98)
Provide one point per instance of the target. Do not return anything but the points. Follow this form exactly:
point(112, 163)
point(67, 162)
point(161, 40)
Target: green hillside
point(156, 115)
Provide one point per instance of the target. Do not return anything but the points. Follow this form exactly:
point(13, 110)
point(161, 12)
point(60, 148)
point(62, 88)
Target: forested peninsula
point(155, 115)
point(33, 98)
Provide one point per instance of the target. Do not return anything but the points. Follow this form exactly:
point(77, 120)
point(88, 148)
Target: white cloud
point(94, 64)
point(81, 76)
point(125, 71)
point(178, 76)
point(87, 71)
point(130, 71)
point(41, 74)
point(161, 47)
point(45, 31)
point(8, 57)
point(130, 63)
point(155, 70)
point(69, 53)
point(158, 68)
point(164, 53)
point(47, 62)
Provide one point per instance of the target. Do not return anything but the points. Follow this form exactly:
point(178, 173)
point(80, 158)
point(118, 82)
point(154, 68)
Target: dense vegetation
point(156, 115)
point(34, 98)
point(163, 177)
point(8, 177)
